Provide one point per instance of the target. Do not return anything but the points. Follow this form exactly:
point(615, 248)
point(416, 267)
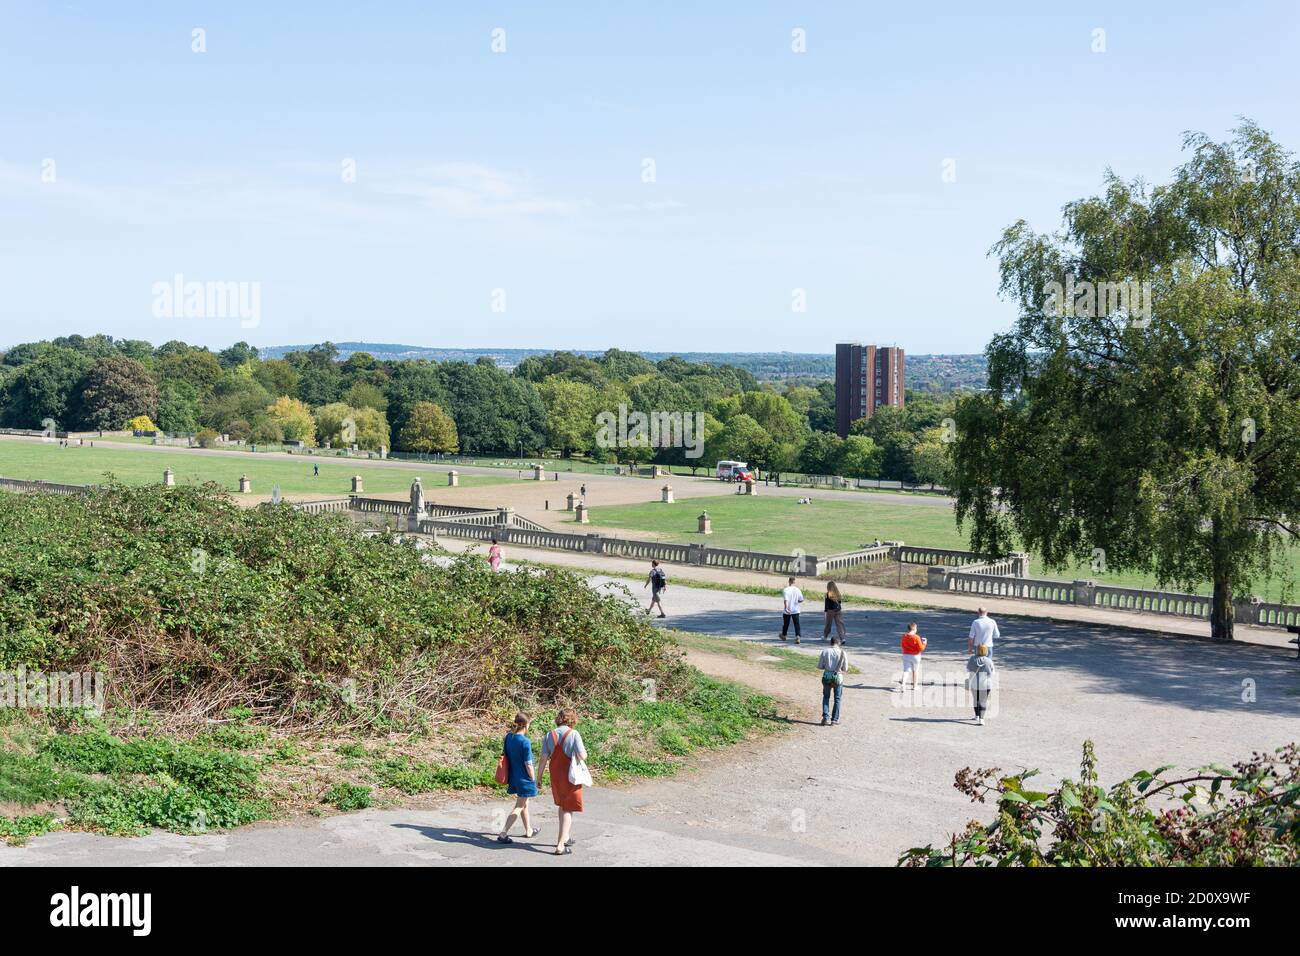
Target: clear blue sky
point(522, 170)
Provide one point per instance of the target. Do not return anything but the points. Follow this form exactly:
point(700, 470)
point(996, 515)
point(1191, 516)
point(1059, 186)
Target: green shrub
point(413, 776)
point(19, 830)
point(127, 786)
point(347, 796)
point(207, 771)
point(129, 810)
point(1213, 816)
point(180, 595)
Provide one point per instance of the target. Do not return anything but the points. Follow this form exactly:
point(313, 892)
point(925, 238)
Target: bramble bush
point(191, 605)
point(1214, 816)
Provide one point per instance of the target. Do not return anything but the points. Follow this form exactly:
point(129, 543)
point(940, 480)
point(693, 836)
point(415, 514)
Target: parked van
point(734, 471)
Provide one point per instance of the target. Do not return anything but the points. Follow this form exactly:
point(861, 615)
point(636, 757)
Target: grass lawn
point(780, 524)
point(82, 465)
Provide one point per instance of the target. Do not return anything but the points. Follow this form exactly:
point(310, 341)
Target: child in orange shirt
point(913, 645)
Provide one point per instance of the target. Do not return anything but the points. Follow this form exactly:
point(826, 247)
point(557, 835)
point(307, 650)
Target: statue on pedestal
point(417, 500)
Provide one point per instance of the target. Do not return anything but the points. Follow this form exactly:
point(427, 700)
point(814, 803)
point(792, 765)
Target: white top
point(833, 659)
point(793, 599)
point(983, 630)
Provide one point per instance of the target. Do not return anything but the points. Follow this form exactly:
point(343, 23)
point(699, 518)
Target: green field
point(81, 465)
point(780, 524)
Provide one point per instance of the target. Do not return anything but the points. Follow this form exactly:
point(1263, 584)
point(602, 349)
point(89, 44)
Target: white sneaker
point(979, 721)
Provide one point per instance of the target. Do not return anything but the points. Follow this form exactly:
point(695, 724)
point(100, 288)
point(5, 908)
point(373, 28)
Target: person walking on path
point(494, 555)
point(657, 582)
point(983, 631)
point(834, 664)
point(583, 491)
point(980, 680)
point(521, 779)
point(793, 603)
point(561, 748)
point(834, 613)
point(913, 646)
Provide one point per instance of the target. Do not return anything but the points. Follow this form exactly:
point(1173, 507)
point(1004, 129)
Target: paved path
point(858, 793)
point(1155, 624)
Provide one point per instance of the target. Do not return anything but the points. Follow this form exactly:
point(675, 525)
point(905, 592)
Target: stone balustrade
point(51, 487)
point(1273, 615)
point(323, 506)
point(948, 557)
point(696, 554)
point(1141, 599)
point(1025, 589)
point(1108, 597)
point(853, 559)
point(379, 506)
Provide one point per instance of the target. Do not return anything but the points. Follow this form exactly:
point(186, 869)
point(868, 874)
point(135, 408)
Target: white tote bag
point(579, 775)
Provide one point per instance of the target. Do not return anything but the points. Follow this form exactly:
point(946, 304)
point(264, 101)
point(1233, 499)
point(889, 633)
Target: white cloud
point(473, 191)
point(292, 194)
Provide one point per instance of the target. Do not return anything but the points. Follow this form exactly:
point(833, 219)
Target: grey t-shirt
point(833, 659)
point(572, 743)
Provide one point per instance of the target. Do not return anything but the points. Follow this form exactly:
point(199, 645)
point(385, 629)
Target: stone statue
point(417, 500)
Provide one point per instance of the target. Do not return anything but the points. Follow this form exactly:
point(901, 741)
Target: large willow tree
point(1164, 440)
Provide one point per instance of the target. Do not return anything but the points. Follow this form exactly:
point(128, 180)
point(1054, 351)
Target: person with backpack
point(980, 680)
point(913, 646)
point(792, 603)
point(834, 612)
point(834, 664)
point(657, 582)
point(515, 769)
point(562, 751)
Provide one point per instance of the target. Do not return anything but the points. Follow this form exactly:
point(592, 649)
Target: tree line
point(547, 402)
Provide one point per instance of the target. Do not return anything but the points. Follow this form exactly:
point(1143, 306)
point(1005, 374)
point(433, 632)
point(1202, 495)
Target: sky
point(748, 177)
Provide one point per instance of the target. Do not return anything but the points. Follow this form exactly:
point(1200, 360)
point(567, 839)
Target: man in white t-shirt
point(982, 631)
point(792, 599)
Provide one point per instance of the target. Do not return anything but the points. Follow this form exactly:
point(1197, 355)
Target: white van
point(733, 471)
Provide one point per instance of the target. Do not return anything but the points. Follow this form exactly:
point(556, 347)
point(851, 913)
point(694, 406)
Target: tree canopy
point(1162, 438)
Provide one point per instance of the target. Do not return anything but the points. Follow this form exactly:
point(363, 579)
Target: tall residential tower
point(866, 377)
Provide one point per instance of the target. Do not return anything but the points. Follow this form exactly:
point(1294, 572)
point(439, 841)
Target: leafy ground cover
point(261, 661)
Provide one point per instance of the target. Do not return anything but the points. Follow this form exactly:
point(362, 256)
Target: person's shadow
point(451, 835)
point(486, 840)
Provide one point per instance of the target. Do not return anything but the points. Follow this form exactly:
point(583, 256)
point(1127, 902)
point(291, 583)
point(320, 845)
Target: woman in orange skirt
point(560, 748)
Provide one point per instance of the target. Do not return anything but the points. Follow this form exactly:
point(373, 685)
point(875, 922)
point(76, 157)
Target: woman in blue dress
point(522, 778)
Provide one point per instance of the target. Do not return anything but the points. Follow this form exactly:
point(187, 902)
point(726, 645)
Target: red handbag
point(503, 767)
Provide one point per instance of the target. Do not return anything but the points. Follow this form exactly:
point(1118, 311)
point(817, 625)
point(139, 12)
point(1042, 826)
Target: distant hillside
point(925, 373)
